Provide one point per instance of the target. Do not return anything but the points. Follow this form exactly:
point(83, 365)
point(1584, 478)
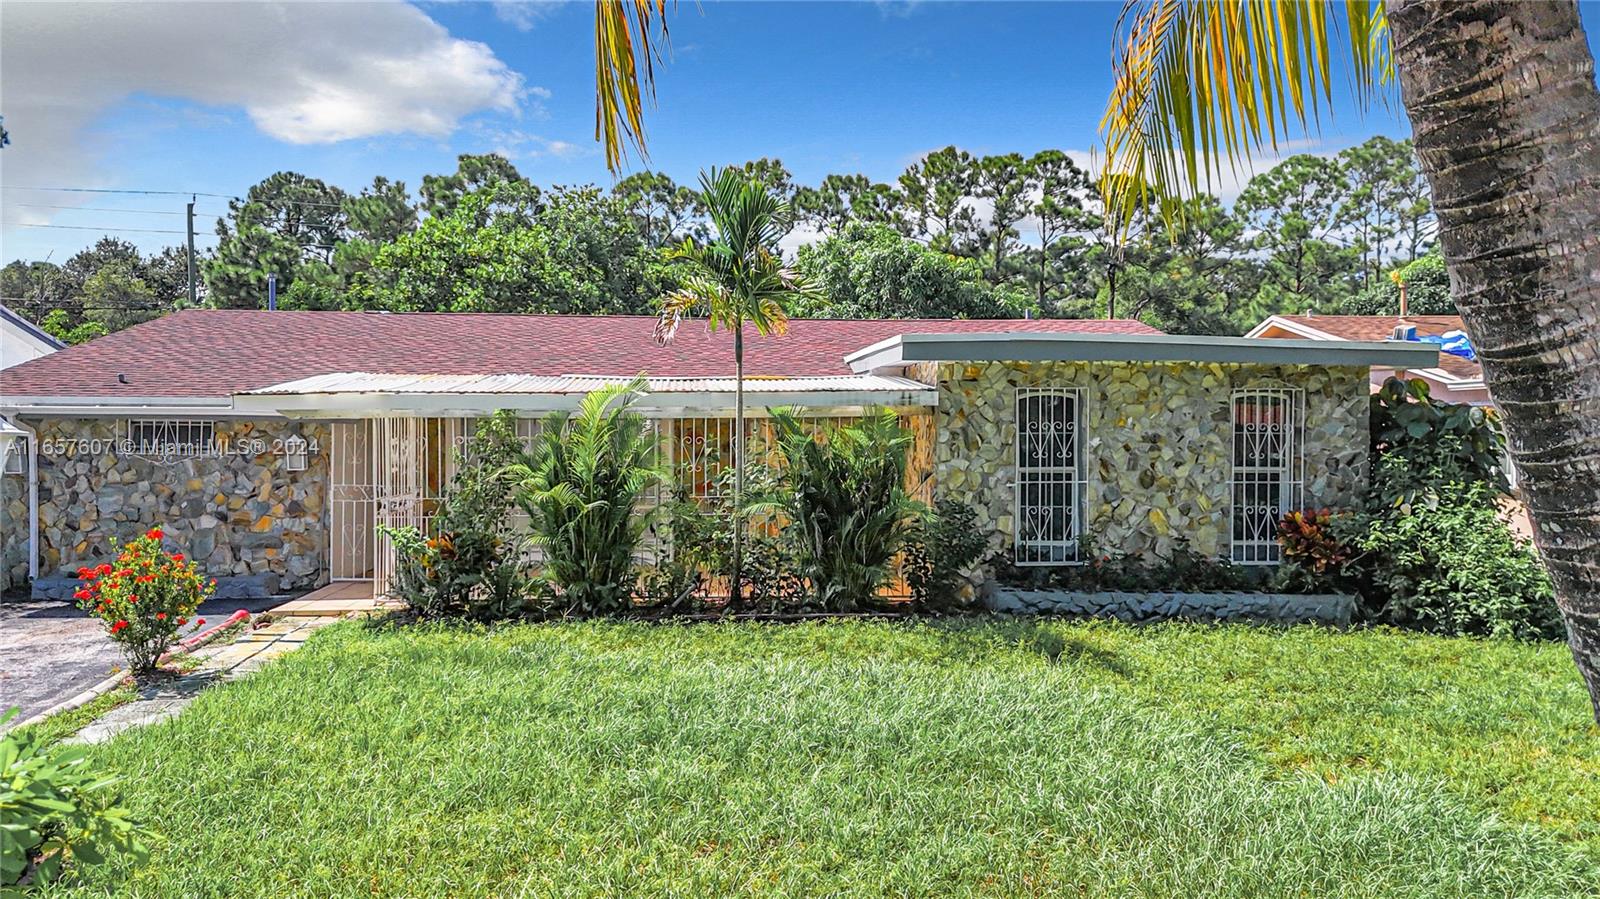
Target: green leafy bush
point(1451, 567)
point(946, 542)
point(1420, 444)
point(472, 565)
point(582, 486)
point(1180, 570)
point(55, 809)
point(699, 549)
point(143, 598)
point(847, 510)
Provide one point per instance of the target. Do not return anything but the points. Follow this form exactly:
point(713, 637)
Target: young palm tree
point(1505, 115)
point(736, 279)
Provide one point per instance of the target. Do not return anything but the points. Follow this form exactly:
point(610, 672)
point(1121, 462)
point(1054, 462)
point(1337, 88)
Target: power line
point(111, 190)
point(98, 209)
point(175, 193)
point(94, 228)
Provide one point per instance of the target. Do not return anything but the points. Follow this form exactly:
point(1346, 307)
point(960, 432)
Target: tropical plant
point(55, 809)
point(472, 565)
point(946, 543)
point(1309, 542)
point(737, 278)
point(1503, 105)
point(582, 485)
point(1420, 444)
point(847, 509)
point(143, 598)
point(1452, 567)
point(701, 545)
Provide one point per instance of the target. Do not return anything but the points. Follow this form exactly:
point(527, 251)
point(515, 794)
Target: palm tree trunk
point(735, 591)
point(1506, 116)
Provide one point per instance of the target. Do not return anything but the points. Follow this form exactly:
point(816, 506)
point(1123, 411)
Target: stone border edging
point(76, 702)
point(1274, 608)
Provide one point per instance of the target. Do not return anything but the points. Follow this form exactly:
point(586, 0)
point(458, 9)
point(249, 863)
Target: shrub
point(1452, 567)
point(1308, 541)
point(55, 808)
point(1181, 569)
point(1420, 444)
point(845, 500)
point(143, 598)
point(582, 484)
point(947, 541)
point(700, 546)
point(472, 565)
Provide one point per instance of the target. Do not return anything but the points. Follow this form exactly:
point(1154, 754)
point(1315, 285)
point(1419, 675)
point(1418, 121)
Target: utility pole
point(193, 293)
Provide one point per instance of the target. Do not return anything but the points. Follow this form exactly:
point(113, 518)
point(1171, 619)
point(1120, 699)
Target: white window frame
point(173, 438)
point(15, 461)
point(1035, 552)
point(1254, 478)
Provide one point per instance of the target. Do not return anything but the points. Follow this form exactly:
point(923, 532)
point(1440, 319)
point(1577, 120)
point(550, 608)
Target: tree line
point(955, 235)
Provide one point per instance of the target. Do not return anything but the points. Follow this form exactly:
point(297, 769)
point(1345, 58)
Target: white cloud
point(523, 14)
point(304, 73)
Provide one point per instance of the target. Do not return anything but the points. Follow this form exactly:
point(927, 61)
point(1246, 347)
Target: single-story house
point(269, 444)
point(1453, 379)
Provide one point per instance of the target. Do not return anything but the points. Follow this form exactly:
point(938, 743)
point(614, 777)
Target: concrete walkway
point(165, 698)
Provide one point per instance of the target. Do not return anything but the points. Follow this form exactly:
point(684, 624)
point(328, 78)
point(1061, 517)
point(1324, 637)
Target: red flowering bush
point(144, 598)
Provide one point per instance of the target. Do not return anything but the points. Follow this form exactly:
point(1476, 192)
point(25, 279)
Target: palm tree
point(737, 278)
point(1505, 115)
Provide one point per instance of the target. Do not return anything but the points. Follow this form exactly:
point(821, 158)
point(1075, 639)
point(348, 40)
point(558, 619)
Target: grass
point(65, 724)
point(995, 759)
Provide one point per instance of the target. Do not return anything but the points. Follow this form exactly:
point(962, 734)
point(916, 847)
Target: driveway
point(51, 650)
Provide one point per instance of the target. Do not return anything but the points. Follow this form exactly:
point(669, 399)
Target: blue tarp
point(1455, 343)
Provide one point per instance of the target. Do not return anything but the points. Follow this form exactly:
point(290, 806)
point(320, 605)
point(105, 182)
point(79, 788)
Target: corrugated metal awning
point(377, 393)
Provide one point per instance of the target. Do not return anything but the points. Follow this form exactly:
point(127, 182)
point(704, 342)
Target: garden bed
point(1267, 608)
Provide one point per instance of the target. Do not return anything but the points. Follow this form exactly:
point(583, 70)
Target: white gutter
point(33, 499)
point(91, 406)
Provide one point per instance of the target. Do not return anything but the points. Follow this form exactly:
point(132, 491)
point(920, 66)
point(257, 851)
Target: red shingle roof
point(216, 352)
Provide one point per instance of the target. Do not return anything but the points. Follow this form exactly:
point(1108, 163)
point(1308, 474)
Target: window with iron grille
point(171, 437)
point(1049, 480)
point(1267, 479)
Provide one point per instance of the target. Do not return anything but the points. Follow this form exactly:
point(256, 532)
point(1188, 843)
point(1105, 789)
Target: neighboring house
point(269, 444)
point(1452, 379)
point(22, 340)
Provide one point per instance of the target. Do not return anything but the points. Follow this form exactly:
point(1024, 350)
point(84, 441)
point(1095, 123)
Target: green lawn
point(875, 759)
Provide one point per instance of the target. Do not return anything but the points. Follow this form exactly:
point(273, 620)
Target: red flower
point(153, 533)
point(182, 621)
point(118, 626)
point(161, 616)
point(80, 594)
point(133, 599)
point(84, 573)
point(103, 569)
point(199, 621)
point(177, 557)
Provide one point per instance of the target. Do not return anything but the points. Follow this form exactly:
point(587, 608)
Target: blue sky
point(223, 96)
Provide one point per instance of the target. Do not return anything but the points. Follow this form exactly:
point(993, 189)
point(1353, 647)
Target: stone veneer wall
point(1156, 442)
point(256, 527)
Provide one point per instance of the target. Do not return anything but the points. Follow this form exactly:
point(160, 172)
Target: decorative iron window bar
point(1049, 475)
point(171, 438)
point(1268, 475)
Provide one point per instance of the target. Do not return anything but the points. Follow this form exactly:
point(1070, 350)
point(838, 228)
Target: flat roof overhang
point(904, 349)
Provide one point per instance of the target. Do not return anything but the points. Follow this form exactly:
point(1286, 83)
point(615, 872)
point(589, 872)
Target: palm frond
point(1200, 84)
point(628, 36)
